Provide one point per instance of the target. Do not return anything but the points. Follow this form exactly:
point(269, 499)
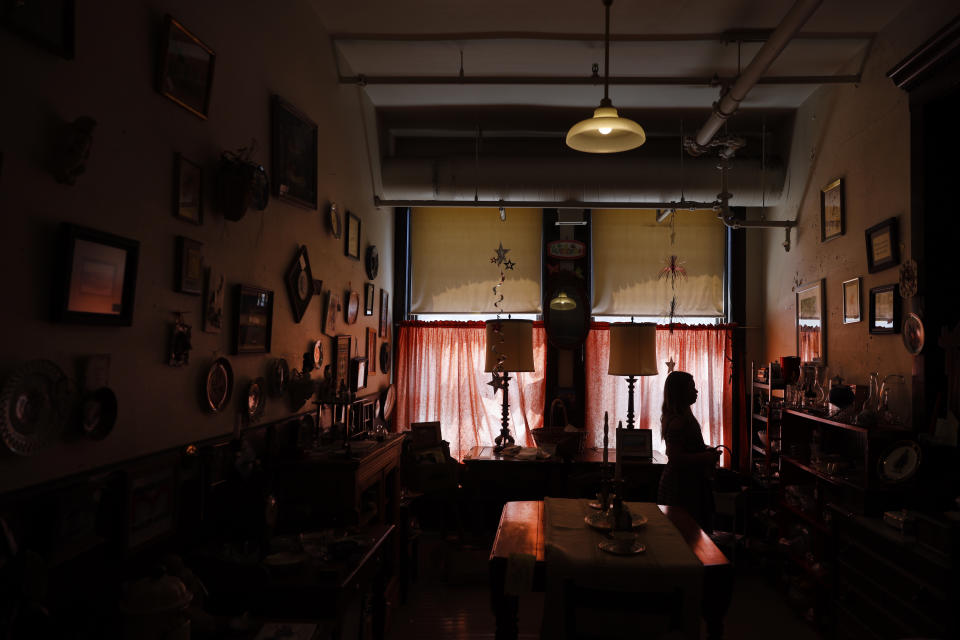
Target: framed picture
point(342, 360)
point(372, 348)
point(358, 374)
point(883, 245)
point(151, 504)
point(187, 190)
point(851, 301)
point(48, 23)
point(334, 306)
point(294, 154)
point(832, 218)
point(97, 278)
point(186, 69)
point(189, 269)
point(253, 319)
point(369, 295)
point(425, 434)
point(811, 323)
point(352, 246)
point(300, 283)
point(213, 302)
point(384, 313)
point(885, 309)
point(634, 444)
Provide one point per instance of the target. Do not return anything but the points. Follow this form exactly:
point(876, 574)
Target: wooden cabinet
point(766, 406)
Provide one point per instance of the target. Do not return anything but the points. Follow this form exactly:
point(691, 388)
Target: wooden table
point(521, 531)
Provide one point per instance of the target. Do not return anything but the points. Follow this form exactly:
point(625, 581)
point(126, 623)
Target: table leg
point(717, 592)
point(506, 608)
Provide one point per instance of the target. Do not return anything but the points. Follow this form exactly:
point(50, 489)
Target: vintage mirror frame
point(812, 297)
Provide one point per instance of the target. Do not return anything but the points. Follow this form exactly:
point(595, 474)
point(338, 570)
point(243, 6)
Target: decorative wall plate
point(389, 401)
point(372, 262)
point(279, 376)
point(900, 462)
point(385, 355)
point(353, 307)
point(218, 384)
point(300, 284)
point(317, 354)
point(256, 399)
point(98, 413)
point(333, 218)
point(33, 406)
point(912, 334)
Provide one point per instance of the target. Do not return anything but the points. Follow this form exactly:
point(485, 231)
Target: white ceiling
point(430, 35)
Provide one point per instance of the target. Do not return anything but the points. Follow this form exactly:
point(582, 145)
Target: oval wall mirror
point(566, 312)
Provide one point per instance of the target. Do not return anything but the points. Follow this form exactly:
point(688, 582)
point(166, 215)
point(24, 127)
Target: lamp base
point(503, 440)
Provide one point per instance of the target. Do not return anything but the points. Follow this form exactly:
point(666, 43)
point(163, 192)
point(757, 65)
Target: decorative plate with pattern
point(33, 406)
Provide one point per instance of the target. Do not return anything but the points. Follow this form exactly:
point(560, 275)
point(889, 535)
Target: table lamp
point(509, 348)
point(633, 352)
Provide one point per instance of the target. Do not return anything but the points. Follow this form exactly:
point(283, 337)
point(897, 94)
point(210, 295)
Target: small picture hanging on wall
point(186, 69)
point(832, 223)
point(189, 271)
point(384, 313)
point(330, 318)
point(372, 349)
point(213, 302)
point(187, 190)
point(369, 295)
point(883, 245)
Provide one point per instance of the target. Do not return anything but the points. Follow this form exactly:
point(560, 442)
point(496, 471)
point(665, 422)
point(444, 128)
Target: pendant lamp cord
point(606, 55)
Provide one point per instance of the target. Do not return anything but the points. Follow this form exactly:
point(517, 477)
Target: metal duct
point(598, 180)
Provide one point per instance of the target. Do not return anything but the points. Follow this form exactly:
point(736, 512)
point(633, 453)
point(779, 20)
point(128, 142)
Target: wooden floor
point(451, 600)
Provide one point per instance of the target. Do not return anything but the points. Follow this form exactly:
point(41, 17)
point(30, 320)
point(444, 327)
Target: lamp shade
point(516, 345)
point(563, 302)
point(633, 349)
point(605, 132)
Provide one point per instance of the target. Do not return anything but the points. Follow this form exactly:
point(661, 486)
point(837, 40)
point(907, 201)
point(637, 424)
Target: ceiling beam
point(733, 35)
point(704, 81)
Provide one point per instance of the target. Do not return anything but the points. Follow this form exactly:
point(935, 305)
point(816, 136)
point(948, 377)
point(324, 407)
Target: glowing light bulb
point(604, 130)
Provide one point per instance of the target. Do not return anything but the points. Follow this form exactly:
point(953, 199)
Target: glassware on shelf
point(868, 412)
point(893, 402)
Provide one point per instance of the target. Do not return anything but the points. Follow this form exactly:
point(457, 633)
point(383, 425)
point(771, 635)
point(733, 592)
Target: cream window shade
point(450, 268)
point(630, 251)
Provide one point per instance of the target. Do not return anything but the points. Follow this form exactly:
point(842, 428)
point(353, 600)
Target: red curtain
point(440, 377)
point(703, 352)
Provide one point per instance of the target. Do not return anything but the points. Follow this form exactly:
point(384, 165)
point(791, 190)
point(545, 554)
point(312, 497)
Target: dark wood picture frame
point(351, 246)
point(185, 79)
point(372, 349)
point(97, 279)
point(294, 154)
point(188, 276)
point(342, 361)
point(883, 245)
point(358, 373)
point(48, 23)
point(369, 298)
point(252, 319)
point(384, 313)
point(812, 305)
point(885, 318)
point(331, 314)
point(300, 283)
point(832, 213)
point(187, 190)
point(851, 296)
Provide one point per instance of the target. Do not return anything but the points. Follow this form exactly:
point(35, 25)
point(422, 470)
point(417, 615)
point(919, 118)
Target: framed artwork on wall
point(384, 313)
point(300, 283)
point(883, 245)
point(48, 23)
point(97, 277)
point(253, 319)
point(342, 372)
point(851, 301)
point(189, 268)
point(369, 293)
point(352, 246)
point(334, 307)
point(832, 217)
point(187, 190)
point(358, 374)
point(294, 154)
point(811, 324)
point(186, 69)
point(213, 303)
point(885, 309)
point(372, 349)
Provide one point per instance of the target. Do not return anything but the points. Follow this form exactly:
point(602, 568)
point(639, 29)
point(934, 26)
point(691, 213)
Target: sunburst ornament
point(673, 269)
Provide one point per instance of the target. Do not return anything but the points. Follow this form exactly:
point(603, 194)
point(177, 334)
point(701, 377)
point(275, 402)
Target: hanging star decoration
point(501, 255)
point(509, 265)
point(671, 365)
point(500, 377)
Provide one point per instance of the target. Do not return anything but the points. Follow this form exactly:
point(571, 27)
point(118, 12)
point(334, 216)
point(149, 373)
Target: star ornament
point(501, 255)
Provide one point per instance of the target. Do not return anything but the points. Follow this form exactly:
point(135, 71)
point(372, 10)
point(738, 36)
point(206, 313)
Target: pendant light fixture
point(606, 131)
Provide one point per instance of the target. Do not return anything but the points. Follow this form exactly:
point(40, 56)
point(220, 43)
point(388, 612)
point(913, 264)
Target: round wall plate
point(33, 406)
point(353, 307)
point(389, 401)
point(912, 334)
point(900, 462)
point(256, 399)
point(218, 384)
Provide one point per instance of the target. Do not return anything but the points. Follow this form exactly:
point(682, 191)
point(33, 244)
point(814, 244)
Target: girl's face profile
point(692, 392)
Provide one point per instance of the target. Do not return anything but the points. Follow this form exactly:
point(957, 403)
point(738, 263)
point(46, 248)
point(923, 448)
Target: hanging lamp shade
point(606, 131)
point(563, 302)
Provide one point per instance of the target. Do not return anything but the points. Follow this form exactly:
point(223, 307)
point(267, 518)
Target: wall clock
point(372, 262)
point(300, 283)
point(218, 384)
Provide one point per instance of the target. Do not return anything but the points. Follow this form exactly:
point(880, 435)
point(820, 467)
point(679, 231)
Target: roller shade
point(450, 251)
point(630, 251)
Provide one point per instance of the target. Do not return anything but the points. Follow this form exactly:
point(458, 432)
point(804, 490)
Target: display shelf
point(806, 517)
point(837, 480)
point(825, 420)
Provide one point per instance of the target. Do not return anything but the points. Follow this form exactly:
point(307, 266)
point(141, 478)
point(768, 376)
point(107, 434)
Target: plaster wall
point(860, 133)
point(261, 49)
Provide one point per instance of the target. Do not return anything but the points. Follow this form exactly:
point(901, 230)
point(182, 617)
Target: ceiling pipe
point(730, 101)
point(623, 81)
point(726, 215)
point(684, 205)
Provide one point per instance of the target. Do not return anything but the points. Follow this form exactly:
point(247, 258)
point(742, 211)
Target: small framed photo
point(384, 313)
point(97, 278)
point(425, 434)
point(369, 298)
point(342, 360)
point(832, 219)
point(186, 69)
point(187, 190)
point(358, 374)
point(334, 307)
point(253, 320)
point(851, 301)
point(352, 246)
point(48, 23)
point(372, 348)
point(213, 302)
point(811, 323)
point(883, 245)
point(294, 154)
point(189, 270)
point(885, 309)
